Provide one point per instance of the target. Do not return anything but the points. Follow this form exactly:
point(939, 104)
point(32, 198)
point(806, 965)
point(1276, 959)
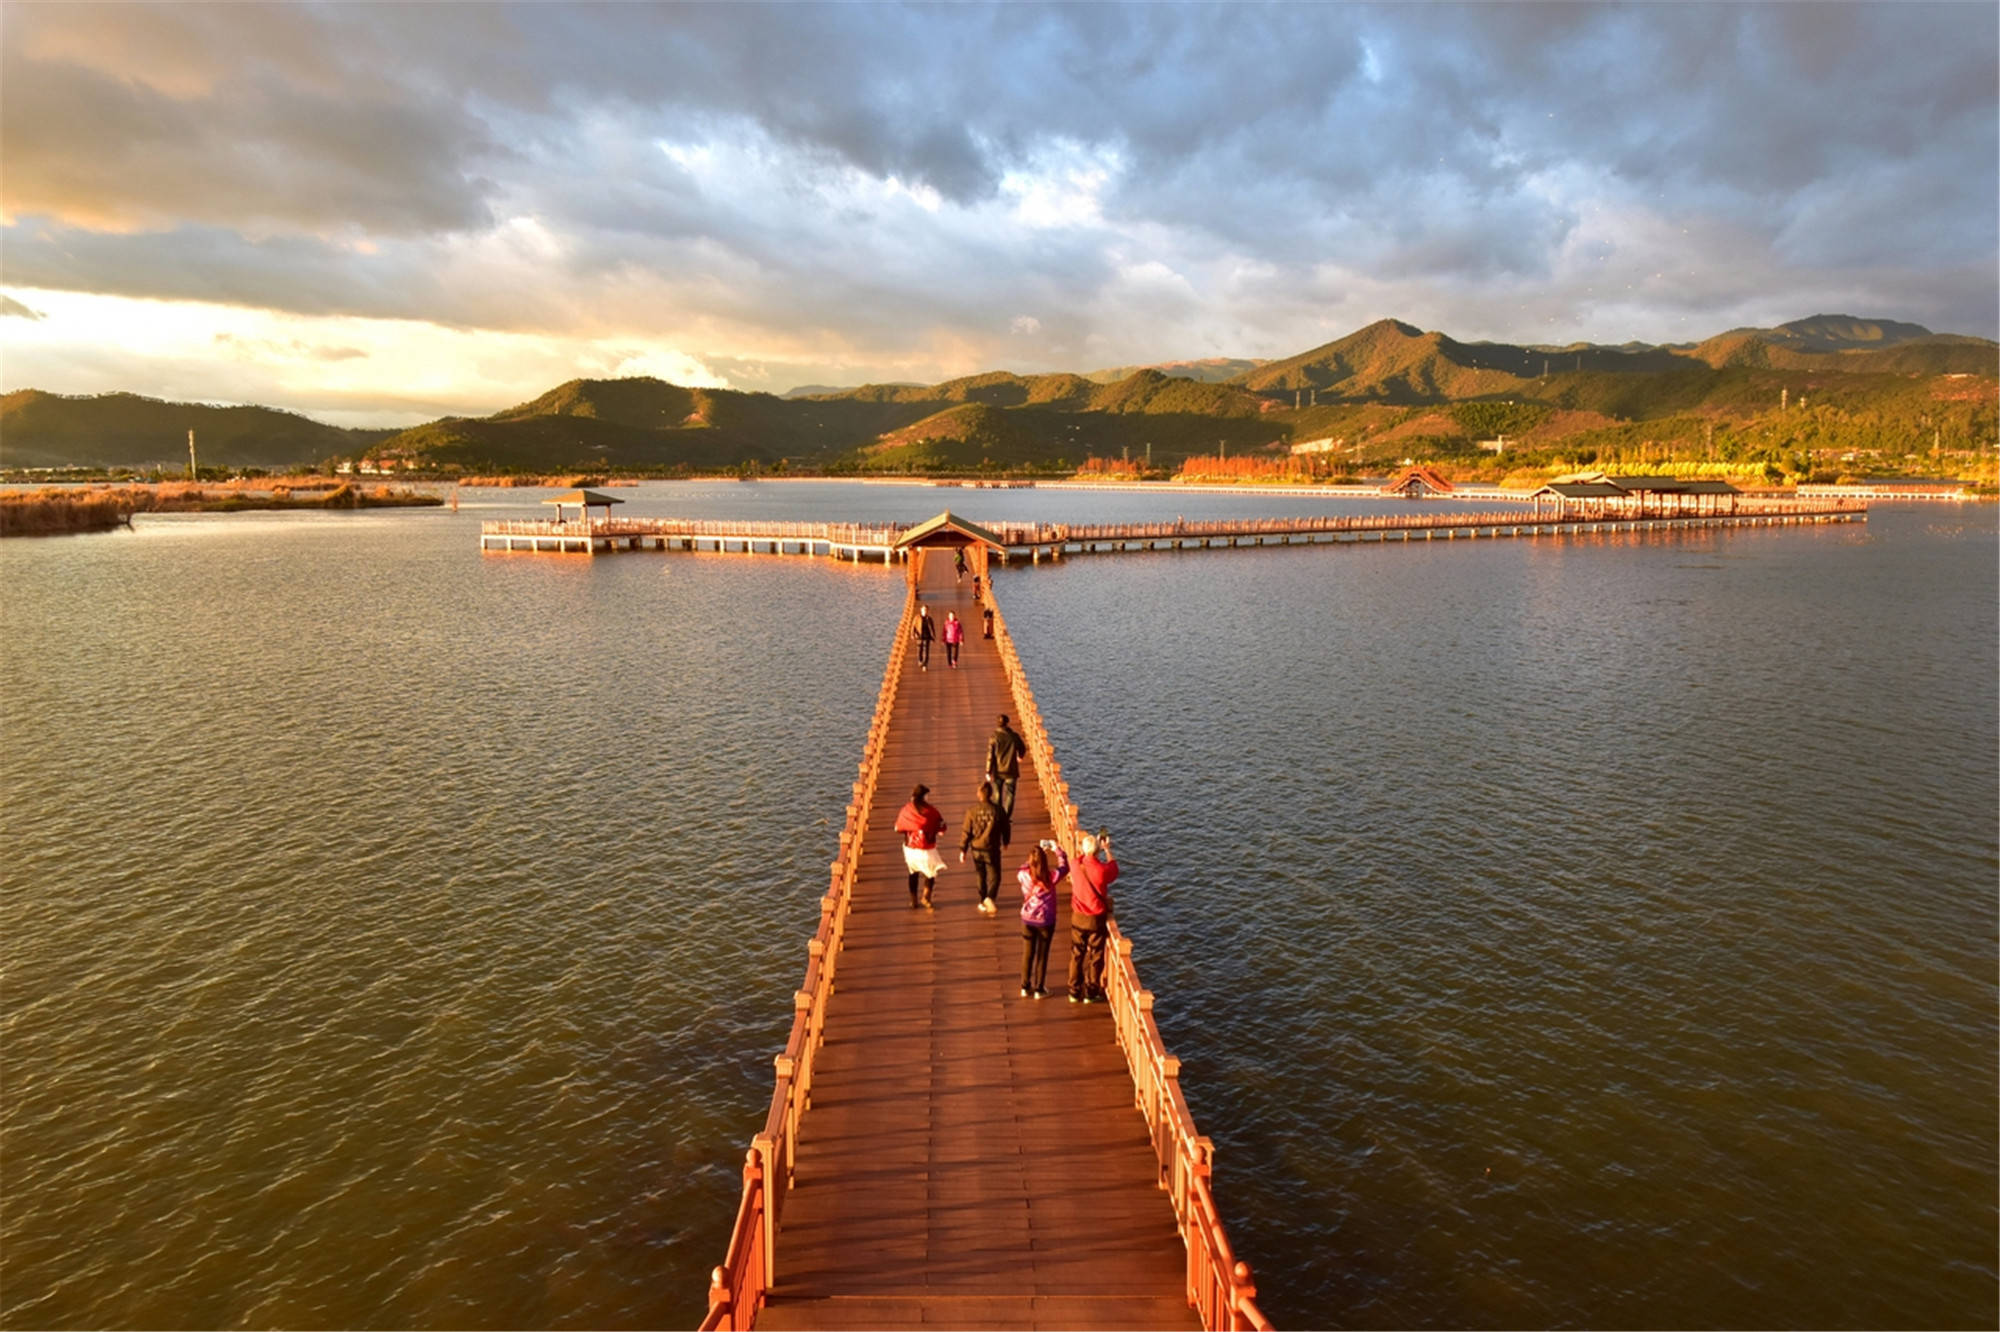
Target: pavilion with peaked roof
point(950, 532)
point(585, 501)
point(1417, 482)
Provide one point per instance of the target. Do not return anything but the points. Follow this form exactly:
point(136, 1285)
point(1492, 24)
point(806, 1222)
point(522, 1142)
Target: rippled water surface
point(1597, 932)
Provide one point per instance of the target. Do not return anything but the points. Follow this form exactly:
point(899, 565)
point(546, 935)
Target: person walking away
point(975, 589)
point(1089, 914)
point(1003, 763)
point(958, 564)
point(920, 824)
point(985, 837)
point(926, 633)
point(1045, 869)
point(988, 614)
point(954, 634)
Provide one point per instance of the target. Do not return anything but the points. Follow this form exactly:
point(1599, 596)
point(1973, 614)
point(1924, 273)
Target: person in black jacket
point(1003, 763)
point(985, 837)
point(926, 633)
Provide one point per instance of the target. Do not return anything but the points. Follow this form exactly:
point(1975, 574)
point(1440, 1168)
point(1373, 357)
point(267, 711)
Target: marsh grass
point(54, 510)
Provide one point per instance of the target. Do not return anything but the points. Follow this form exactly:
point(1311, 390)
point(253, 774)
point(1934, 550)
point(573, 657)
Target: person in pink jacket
point(954, 634)
point(1045, 869)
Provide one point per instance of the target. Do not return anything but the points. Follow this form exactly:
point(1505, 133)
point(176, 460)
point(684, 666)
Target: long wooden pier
point(939, 1151)
point(1035, 542)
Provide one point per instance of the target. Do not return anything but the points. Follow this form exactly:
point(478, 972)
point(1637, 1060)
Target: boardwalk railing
point(1642, 512)
point(1023, 534)
point(737, 1288)
point(840, 534)
point(1218, 1286)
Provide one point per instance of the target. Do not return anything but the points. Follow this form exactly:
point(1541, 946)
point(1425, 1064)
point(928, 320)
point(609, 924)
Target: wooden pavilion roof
point(927, 532)
point(1582, 490)
point(583, 497)
point(1421, 474)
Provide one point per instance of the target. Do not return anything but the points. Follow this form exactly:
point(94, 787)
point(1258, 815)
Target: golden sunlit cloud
point(332, 367)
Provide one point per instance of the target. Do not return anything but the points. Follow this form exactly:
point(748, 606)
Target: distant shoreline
point(63, 510)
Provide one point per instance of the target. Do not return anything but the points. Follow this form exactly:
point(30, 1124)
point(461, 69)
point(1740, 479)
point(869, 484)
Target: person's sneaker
point(1041, 994)
point(1073, 999)
point(1026, 992)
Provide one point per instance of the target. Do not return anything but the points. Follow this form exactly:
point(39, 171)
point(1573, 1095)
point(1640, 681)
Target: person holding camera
point(1089, 917)
point(1045, 869)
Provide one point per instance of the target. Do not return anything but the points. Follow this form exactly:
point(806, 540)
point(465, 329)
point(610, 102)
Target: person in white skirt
point(920, 824)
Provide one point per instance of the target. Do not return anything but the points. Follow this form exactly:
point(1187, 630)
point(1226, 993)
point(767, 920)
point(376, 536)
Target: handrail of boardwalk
point(1218, 1286)
point(1014, 534)
point(840, 534)
point(1544, 516)
point(737, 1289)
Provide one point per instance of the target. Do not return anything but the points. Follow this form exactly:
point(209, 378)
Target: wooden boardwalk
point(1035, 542)
point(972, 1158)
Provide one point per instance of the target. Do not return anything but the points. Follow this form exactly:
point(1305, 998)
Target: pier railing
point(840, 534)
point(737, 1288)
point(1637, 512)
point(1219, 1287)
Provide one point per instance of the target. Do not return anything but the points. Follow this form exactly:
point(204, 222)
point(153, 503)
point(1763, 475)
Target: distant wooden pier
point(940, 1152)
point(1034, 542)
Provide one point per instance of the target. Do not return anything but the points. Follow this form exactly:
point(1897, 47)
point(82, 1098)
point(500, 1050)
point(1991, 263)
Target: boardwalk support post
point(762, 1149)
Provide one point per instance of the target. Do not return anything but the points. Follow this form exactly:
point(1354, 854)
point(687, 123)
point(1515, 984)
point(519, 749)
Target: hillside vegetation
point(1831, 394)
point(125, 430)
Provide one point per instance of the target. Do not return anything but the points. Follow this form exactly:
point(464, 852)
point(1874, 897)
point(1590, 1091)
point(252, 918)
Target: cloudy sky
point(382, 213)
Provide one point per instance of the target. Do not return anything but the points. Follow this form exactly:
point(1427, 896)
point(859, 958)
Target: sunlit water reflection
point(1556, 933)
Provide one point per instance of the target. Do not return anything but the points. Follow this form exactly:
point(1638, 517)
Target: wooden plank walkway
point(972, 1159)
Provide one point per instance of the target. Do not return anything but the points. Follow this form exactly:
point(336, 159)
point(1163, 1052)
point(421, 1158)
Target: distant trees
point(1250, 468)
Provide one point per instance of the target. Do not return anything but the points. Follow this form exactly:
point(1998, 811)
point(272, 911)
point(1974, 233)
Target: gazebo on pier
point(948, 531)
point(585, 501)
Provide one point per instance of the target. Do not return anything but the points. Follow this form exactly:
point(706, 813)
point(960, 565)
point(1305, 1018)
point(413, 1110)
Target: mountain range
point(1389, 379)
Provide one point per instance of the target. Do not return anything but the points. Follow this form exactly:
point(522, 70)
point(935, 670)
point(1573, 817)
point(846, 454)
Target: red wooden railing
point(1218, 1286)
point(737, 1288)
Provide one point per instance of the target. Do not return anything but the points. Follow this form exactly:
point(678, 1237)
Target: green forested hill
point(1383, 392)
point(124, 430)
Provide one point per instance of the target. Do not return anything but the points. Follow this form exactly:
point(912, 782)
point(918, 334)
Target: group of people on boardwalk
point(953, 634)
point(987, 830)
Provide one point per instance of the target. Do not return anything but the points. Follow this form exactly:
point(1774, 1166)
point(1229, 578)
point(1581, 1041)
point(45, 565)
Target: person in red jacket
point(920, 824)
point(1090, 883)
point(954, 634)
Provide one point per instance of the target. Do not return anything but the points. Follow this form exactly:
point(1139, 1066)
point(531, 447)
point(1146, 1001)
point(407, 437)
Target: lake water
point(1597, 932)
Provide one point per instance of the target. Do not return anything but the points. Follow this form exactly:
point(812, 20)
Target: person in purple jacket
point(1045, 869)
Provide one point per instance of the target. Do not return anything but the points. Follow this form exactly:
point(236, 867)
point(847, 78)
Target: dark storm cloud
point(233, 136)
point(1524, 160)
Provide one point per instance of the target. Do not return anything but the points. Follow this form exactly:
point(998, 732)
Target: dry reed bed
point(59, 509)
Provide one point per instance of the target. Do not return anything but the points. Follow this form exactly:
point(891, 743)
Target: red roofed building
point(1417, 482)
